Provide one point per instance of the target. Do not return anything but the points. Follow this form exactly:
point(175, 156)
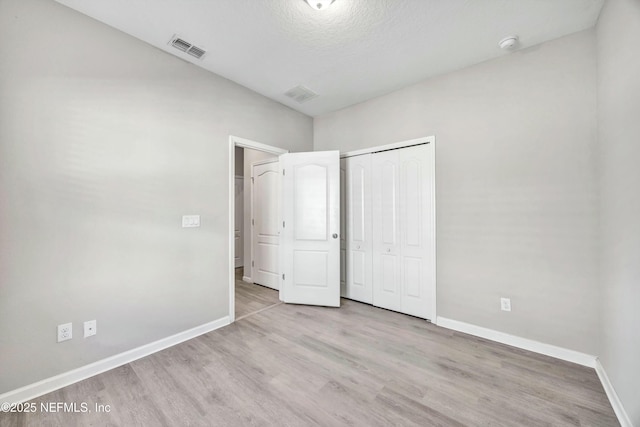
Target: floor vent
point(187, 47)
point(301, 94)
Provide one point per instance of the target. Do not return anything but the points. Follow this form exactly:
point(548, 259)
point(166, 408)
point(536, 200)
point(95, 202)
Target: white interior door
point(266, 224)
point(310, 245)
point(239, 222)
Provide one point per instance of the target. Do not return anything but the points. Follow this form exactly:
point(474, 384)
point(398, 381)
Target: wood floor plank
point(292, 365)
point(251, 298)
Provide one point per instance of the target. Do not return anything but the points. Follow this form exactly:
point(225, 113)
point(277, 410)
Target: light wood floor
point(251, 298)
point(358, 365)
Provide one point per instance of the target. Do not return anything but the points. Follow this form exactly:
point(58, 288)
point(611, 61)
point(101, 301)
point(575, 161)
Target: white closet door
point(416, 218)
point(403, 218)
point(359, 241)
point(266, 224)
point(386, 231)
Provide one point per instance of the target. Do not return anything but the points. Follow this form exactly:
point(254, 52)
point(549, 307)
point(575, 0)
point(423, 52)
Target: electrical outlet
point(65, 332)
point(505, 304)
point(90, 328)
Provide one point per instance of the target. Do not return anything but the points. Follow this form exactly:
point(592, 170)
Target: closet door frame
point(431, 226)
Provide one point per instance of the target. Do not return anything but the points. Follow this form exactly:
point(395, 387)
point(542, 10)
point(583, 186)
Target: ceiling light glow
point(319, 4)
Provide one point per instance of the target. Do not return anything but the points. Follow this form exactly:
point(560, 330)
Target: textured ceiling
point(353, 51)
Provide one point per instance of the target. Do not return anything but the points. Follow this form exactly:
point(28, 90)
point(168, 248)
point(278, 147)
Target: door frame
point(236, 179)
point(234, 142)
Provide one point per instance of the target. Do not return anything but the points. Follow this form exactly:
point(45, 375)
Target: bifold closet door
point(386, 230)
point(359, 239)
point(403, 215)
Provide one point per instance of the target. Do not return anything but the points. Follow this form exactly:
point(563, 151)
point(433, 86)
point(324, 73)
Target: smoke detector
point(508, 43)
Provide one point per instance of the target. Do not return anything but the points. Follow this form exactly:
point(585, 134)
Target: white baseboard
point(622, 415)
point(247, 279)
point(548, 350)
point(523, 343)
point(48, 385)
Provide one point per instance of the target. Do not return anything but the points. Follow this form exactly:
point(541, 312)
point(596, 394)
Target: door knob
point(335, 235)
point(388, 249)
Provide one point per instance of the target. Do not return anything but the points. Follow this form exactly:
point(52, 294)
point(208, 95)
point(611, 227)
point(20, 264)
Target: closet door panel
point(413, 277)
point(388, 187)
point(389, 275)
point(359, 236)
point(415, 211)
point(359, 268)
point(411, 203)
point(386, 249)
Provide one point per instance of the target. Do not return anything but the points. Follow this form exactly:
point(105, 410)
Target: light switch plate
point(190, 221)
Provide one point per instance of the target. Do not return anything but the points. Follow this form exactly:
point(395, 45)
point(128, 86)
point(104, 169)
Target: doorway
point(236, 142)
point(308, 268)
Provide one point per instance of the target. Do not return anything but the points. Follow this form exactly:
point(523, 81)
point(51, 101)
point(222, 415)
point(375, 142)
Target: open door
point(310, 243)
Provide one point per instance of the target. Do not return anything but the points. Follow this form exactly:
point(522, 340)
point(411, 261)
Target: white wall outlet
point(505, 304)
point(189, 221)
point(65, 332)
point(90, 328)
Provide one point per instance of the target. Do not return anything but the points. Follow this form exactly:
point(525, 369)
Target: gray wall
point(516, 185)
point(104, 143)
point(618, 33)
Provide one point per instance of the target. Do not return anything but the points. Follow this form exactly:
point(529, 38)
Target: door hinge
point(283, 172)
point(252, 264)
point(252, 221)
point(282, 276)
point(251, 179)
point(282, 224)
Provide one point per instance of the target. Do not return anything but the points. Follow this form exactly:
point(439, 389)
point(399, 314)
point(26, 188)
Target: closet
point(389, 216)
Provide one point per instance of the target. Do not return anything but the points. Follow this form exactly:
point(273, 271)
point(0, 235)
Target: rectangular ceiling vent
point(187, 47)
point(301, 94)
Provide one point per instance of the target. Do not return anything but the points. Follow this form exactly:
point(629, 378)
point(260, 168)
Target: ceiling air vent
point(187, 47)
point(301, 94)
point(196, 51)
